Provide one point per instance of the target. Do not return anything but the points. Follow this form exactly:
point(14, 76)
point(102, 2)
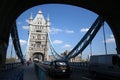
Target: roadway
point(77, 75)
point(74, 76)
point(29, 73)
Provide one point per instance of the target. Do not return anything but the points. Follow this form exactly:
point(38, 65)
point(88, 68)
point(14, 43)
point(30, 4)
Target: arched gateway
point(38, 37)
point(38, 56)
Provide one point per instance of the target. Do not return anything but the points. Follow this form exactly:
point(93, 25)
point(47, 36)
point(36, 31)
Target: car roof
point(60, 61)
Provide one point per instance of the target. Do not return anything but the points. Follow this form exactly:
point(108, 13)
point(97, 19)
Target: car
point(46, 62)
point(59, 68)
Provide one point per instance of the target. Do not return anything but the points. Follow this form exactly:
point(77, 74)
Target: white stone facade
point(38, 35)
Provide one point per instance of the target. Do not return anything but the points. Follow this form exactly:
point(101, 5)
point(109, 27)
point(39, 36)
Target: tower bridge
point(38, 40)
point(109, 10)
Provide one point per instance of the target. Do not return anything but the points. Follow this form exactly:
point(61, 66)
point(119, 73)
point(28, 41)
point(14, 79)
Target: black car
point(59, 68)
point(46, 62)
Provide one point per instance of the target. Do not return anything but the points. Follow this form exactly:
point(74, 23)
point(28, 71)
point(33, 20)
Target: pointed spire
point(48, 21)
point(39, 12)
point(31, 19)
point(48, 18)
point(31, 16)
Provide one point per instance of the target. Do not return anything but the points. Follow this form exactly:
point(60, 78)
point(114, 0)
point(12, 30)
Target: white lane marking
point(86, 78)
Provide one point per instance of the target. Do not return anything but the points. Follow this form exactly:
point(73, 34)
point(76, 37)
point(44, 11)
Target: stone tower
point(38, 37)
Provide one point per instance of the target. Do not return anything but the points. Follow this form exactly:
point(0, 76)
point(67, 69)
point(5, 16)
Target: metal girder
point(87, 38)
point(16, 43)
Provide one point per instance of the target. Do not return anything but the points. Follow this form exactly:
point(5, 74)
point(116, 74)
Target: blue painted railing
point(41, 72)
point(78, 66)
point(12, 71)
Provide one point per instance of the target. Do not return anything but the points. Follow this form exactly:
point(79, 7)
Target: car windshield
point(46, 62)
point(61, 63)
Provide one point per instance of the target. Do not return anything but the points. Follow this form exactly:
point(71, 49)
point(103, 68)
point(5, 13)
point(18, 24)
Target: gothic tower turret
point(38, 37)
point(48, 23)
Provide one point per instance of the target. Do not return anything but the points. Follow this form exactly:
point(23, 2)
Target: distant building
point(64, 53)
point(38, 37)
point(51, 58)
point(76, 59)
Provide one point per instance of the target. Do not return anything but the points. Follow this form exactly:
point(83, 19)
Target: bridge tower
point(38, 37)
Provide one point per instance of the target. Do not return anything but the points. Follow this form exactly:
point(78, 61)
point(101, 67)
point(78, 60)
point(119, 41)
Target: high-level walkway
point(29, 73)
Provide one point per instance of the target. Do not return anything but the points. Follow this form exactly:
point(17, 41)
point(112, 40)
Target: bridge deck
point(29, 73)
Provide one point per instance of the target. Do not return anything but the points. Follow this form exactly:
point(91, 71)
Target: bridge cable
point(104, 39)
point(50, 45)
point(52, 49)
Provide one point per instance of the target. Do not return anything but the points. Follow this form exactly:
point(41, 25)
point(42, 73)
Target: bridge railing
point(9, 66)
point(41, 72)
point(12, 71)
point(79, 66)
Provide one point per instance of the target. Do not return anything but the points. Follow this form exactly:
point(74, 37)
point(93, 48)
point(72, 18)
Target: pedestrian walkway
point(29, 73)
point(12, 74)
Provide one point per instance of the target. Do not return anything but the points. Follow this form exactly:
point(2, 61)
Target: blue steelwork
point(40, 72)
point(16, 43)
point(87, 38)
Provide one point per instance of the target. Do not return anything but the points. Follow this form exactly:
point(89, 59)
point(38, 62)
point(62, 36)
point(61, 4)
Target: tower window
point(38, 44)
point(39, 37)
point(43, 37)
point(38, 31)
point(33, 37)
